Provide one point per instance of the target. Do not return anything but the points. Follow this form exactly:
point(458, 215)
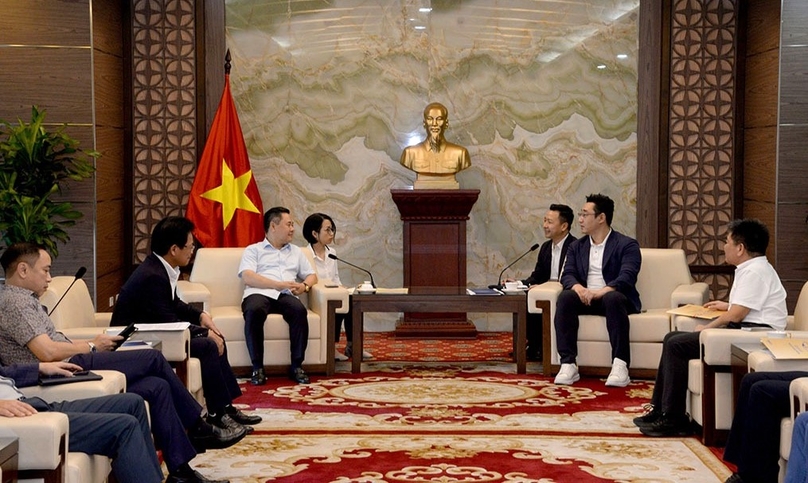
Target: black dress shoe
point(225, 421)
point(648, 418)
point(242, 417)
point(533, 354)
point(206, 436)
point(668, 426)
point(195, 477)
point(258, 378)
point(298, 376)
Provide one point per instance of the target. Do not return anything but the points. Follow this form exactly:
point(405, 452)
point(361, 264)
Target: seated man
point(150, 296)
point(549, 264)
point(754, 440)
point(756, 299)
point(27, 336)
point(113, 426)
point(599, 277)
point(270, 269)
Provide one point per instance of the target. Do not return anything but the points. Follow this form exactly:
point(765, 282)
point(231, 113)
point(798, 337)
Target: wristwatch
point(92, 347)
point(307, 286)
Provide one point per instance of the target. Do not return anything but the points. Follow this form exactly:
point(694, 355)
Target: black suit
point(147, 298)
point(541, 274)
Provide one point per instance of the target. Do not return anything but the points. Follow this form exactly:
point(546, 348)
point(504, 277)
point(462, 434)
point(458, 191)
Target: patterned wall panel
point(702, 145)
point(164, 113)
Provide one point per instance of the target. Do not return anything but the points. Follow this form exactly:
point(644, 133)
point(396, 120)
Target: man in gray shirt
point(115, 426)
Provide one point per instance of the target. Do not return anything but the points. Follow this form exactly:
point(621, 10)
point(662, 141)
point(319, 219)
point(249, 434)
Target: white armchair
point(214, 282)
point(713, 409)
point(799, 404)
point(43, 438)
point(76, 317)
point(664, 282)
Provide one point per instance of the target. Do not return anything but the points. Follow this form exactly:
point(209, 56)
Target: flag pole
point(227, 62)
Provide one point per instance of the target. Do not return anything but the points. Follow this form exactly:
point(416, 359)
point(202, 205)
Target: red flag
point(225, 204)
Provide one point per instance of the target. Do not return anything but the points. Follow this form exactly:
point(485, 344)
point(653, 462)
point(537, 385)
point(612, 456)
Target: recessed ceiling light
point(425, 9)
point(622, 56)
point(420, 27)
point(601, 66)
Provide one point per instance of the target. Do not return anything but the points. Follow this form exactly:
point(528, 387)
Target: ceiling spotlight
point(425, 9)
point(622, 56)
point(602, 66)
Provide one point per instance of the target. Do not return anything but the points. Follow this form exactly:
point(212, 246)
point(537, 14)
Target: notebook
point(77, 377)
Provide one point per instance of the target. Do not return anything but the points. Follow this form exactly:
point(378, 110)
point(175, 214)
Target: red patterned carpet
point(488, 346)
point(453, 422)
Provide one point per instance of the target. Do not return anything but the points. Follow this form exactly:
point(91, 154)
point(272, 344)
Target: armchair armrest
point(102, 319)
point(42, 439)
point(320, 295)
point(716, 343)
point(175, 344)
point(694, 293)
point(546, 291)
point(192, 292)
point(113, 382)
point(799, 396)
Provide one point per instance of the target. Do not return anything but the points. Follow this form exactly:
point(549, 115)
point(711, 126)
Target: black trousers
point(218, 381)
point(534, 332)
point(670, 388)
point(754, 440)
point(614, 306)
point(256, 308)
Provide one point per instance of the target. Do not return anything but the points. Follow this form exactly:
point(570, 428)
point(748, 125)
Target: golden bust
point(436, 160)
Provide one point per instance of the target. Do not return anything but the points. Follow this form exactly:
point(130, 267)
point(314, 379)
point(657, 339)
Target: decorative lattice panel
point(164, 113)
point(702, 145)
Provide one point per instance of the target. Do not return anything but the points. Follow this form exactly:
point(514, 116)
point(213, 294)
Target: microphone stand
point(334, 257)
point(498, 285)
point(79, 274)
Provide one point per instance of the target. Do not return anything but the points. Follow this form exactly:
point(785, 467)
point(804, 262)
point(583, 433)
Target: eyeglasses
point(329, 229)
point(583, 214)
point(191, 245)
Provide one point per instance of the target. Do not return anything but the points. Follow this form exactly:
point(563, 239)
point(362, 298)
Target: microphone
point(334, 257)
point(498, 285)
point(79, 273)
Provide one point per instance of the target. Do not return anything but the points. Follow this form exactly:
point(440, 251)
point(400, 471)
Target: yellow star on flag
point(231, 194)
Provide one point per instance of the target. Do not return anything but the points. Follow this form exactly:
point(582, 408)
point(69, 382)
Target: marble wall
point(543, 95)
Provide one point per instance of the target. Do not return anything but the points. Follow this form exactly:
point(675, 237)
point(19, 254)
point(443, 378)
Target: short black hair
point(274, 214)
point(752, 233)
point(314, 223)
point(565, 213)
point(170, 231)
point(19, 252)
point(603, 204)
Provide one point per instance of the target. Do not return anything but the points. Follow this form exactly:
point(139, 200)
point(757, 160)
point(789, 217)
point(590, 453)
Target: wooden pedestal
point(434, 256)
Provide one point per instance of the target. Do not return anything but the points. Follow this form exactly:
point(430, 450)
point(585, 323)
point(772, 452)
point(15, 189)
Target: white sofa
point(75, 316)
point(664, 282)
point(214, 282)
point(43, 438)
point(799, 404)
point(714, 410)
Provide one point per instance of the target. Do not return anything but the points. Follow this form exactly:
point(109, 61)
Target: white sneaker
point(366, 355)
point(619, 375)
point(567, 375)
point(338, 356)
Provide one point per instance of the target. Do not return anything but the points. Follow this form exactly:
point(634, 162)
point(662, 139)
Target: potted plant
point(34, 164)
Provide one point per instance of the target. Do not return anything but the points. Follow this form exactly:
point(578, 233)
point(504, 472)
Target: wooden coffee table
point(441, 300)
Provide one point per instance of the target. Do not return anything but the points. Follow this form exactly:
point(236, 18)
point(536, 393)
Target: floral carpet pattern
point(450, 423)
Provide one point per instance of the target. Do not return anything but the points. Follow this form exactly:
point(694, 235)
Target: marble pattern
point(330, 93)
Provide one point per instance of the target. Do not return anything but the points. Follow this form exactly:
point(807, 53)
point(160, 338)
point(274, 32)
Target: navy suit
point(147, 298)
point(541, 274)
point(621, 264)
point(115, 426)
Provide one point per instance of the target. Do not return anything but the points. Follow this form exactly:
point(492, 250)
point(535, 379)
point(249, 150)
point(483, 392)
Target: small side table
point(739, 363)
point(9, 448)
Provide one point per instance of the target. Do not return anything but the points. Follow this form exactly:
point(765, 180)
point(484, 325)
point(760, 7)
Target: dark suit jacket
point(544, 262)
point(621, 264)
point(146, 298)
point(24, 375)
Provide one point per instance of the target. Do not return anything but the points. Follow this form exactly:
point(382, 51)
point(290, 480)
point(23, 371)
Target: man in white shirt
point(270, 270)
point(756, 299)
point(599, 277)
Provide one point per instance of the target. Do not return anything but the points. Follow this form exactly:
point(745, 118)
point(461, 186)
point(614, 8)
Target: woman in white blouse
point(319, 230)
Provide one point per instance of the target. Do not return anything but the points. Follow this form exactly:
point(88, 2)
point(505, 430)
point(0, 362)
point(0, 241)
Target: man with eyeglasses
point(270, 270)
point(150, 296)
point(599, 278)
